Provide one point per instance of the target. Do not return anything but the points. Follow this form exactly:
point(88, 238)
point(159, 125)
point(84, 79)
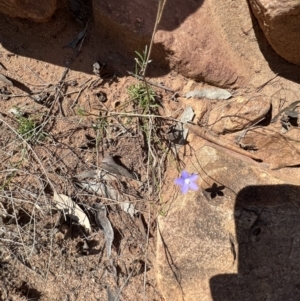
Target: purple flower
point(187, 181)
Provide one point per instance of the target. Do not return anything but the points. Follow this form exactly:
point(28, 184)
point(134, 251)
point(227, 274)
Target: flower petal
point(179, 181)
point(184, 188)
point(193, 186)
point(184, 174)
point(193, 177)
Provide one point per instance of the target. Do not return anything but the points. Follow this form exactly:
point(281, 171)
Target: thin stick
point(161, 5)
point(264, 84)
point(11, 241)
point(35, 74)
point(204, 134)
point(79, 93)
point(150, 82)
point(123, 285)
point(146, 251)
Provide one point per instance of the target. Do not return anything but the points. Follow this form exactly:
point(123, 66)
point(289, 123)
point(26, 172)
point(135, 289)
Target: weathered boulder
point(188, 38)
point(280, 22)
point(38, 11)
point(236, 240)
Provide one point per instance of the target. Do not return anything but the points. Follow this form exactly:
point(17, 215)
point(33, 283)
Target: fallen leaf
point(71, 209)
point(5, 80)
point(108, 163)
point(214, 93)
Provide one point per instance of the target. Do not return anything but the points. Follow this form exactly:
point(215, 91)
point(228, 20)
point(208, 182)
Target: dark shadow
point(215, 190)
point(87, 248)
point(29, 293)
point(276, 62)
point(268, 247)
point(19, 85)
point(117, 240)
point(46, 42)
point(175, 13)
point(175, 270)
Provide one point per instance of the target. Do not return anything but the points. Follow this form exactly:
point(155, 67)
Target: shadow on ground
point(268, 247)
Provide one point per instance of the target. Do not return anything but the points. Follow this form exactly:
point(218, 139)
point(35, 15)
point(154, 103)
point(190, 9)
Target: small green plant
point(28, 129)
point(141, 62)
point(140, 93)
point(100, 128)
point(143, 98)
point(81, 111)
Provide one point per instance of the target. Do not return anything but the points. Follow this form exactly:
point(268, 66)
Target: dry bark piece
point(104, 223)
point(71, 209)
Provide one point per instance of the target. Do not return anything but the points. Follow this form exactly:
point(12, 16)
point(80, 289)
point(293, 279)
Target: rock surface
point(230, 241)
point(238, 113)
point(280, 22)
point(38, 11)
point(188, 38)
point(277, 149)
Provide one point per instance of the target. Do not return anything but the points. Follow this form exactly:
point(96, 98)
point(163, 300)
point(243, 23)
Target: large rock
point(188, 39)
point(238, 113)
point(280, 22)
point(38, 11)
point(236, 240)
point(274, 148)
